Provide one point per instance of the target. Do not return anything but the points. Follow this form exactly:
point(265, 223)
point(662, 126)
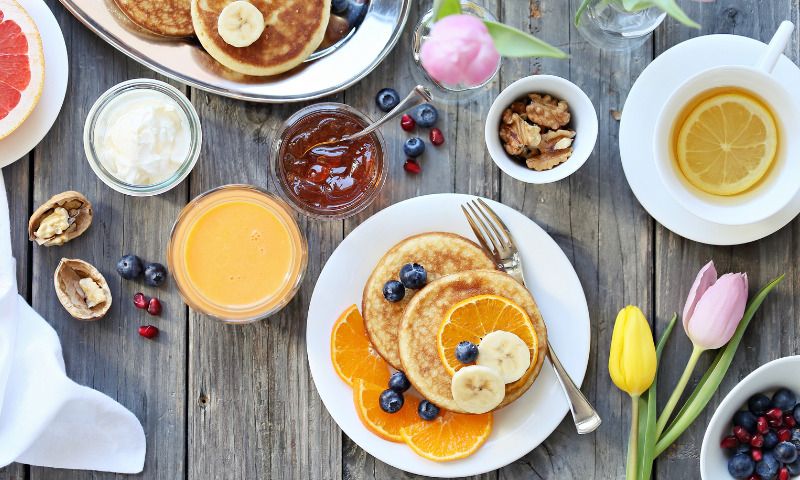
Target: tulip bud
point(632, 360)
point(717, 312)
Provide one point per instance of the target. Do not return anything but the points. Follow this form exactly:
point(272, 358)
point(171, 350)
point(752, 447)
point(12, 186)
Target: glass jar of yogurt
point(142, 137)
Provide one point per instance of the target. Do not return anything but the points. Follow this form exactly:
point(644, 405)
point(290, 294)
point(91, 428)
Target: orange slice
point(727, 144)
point(449, 436)
point(385, 425)
point(473, 318)
point(351, 351)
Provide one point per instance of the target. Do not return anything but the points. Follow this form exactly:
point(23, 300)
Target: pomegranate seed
point(776, 423)
point(775, 414)
point(407, 123)
point(729, 442)
point(154, 307)
point(754, 477)
point(411, 166)
point(783, 474)
point(757, 440)
point(148, 331)
point(741, 434)
point(437, 138)
point(761, 425)
point(784, 434)
point(756, 454)
point(789, 421)
point(140, 300)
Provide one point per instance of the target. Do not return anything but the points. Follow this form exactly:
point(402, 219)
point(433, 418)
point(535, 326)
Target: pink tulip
point(459, 52)
point(714, 307)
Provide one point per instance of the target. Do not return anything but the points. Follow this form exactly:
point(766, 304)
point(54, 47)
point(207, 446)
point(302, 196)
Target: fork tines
point(490, 230)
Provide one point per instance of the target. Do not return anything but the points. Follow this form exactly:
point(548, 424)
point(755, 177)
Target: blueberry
point(387, 99)
point(425, 115)
point(427, 410)
point(129, 267)
point(414, 147)
point(784, 399)
point(795, 437)
point(394, 291)
point(743, 448)
point(740, 466)
point(794, 468)
point(339, 6)
point(391, 401)
point(154, 274)
point(466, 352)
point(356, 11)
point(796, 413)
point(768, 466)
point(759, 404)
point(413, 276)
point(746, 420)
point(785, 452)
point(399, 382)
point(770, 440)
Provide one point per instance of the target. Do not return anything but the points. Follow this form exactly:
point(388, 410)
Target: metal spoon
point(418, 95)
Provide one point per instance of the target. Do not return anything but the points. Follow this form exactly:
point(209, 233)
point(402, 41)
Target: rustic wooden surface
point(238, 402)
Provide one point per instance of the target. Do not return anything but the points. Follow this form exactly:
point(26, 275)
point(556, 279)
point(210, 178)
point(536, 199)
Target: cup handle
point(776, 47)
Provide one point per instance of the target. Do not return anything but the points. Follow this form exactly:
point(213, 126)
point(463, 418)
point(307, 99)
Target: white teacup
point(781, 184)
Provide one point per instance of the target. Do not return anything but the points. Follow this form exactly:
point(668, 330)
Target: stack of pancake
point(405, 332)
point(293, 29)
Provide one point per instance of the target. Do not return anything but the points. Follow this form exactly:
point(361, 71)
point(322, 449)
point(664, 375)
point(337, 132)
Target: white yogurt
point(142, 137)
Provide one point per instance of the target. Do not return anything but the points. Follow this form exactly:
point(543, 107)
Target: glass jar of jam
point(331, 181)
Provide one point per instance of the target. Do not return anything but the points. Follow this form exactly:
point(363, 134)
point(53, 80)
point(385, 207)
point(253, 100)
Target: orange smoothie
point(237, 254)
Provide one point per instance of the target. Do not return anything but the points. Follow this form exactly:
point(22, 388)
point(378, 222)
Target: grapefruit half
point(21, 66)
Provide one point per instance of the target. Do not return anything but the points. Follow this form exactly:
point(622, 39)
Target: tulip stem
point(676, 394)
point(632, 470)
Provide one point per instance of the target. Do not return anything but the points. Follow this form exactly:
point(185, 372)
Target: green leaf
point(511, 42)
point(648, 439)
point(443, 8)
point(581, 9)
point(671, 7)
point(710, 382)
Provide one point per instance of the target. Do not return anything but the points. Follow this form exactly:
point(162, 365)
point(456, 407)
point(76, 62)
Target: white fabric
point(46, 419)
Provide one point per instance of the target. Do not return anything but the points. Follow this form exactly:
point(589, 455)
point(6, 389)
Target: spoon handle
point(418, 95)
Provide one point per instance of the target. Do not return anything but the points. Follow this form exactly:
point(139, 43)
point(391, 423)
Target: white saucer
point(519, 427)
point(56, 74)
point(644, 102)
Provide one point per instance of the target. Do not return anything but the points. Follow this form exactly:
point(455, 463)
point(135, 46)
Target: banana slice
point(477, 389)
point(240, 24)
point(506, 353)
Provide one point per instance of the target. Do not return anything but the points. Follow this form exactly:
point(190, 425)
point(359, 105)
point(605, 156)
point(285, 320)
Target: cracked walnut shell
point(81, 289)
point(60, 219)
point(546, 111)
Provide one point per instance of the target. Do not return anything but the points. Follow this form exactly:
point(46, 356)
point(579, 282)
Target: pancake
point(441, 254)
point(294, 29)
point(171, 18)
point(423, 317)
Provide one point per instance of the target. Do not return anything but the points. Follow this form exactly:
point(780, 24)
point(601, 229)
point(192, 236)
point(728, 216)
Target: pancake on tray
point(292, 31)
point(424, 314)
point(171, 18)
point(441, 254)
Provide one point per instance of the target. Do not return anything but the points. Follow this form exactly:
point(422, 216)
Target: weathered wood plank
point(147, 377)
point(253, 408)
point(774, 330)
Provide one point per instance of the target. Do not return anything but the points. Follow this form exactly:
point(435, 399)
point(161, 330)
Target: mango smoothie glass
point(237, 254)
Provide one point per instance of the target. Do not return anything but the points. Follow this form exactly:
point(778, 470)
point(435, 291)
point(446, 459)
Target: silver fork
point(496, 240)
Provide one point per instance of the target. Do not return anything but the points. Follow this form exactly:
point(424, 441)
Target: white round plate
point(56, 74)
point(645, 100)
point(519, 427)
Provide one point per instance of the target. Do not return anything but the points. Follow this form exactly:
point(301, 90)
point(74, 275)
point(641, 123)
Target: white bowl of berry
point(755, 432)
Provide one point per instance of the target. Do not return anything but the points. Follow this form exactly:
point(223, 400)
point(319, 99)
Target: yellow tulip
point(632, 361)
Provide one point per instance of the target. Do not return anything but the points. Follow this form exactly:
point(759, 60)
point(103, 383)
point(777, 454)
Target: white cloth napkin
point(46, 419)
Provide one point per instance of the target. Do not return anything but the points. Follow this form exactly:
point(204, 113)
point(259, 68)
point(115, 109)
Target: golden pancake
point(171, 18)
point(424, 314)
point(293, 31)
point(441, 254)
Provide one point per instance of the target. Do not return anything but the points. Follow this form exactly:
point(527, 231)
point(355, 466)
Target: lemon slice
point(727, 144)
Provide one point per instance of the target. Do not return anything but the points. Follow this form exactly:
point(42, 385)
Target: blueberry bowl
point(768, 391)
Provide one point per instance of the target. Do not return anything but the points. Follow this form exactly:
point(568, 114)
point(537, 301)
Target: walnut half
point(60, 219)
point(81, 289)
point(546, 111)
point(519, 137)
point(554, 149)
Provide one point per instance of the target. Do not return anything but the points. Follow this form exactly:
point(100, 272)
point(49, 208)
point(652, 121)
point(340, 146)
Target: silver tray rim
point(87, 20)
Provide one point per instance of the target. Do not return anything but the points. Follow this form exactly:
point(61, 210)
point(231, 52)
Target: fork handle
point(583, 413)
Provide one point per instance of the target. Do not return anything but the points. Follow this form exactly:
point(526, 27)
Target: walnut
point(556, 140)
point(519, 137)
point(60, 219)
point(81, 289)
point(547, 111)
point(554, 149)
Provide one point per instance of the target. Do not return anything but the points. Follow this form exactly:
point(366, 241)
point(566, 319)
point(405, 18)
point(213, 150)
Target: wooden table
point(238, 402)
